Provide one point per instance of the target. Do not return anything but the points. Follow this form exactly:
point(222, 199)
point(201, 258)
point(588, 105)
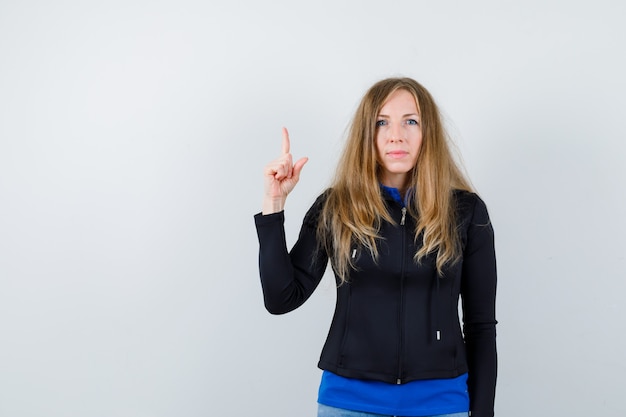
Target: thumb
point(297, 167)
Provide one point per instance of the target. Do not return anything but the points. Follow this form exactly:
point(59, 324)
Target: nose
point(395, 133)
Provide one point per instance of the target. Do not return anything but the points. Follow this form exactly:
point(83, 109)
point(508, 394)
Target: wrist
point(271, 205)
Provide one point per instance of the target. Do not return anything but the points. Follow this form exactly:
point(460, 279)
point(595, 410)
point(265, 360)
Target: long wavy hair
point(354, 208)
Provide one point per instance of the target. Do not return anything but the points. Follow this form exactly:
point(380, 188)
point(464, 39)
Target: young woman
point(405, 236)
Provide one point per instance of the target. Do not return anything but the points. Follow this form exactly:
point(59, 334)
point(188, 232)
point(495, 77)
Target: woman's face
point(398, 138)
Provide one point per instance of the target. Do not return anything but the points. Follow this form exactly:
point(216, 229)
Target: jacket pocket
point(346, 321)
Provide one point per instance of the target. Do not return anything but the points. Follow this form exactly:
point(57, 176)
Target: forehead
point(400, 99)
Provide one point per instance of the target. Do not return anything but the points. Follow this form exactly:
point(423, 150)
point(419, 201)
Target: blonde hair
point(354, 208)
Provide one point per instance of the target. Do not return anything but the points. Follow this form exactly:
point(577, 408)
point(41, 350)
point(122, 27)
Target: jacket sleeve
point(478, 290)
point(289, 278)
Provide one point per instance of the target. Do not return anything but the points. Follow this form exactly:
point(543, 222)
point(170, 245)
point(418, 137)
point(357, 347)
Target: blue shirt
point(417, 398)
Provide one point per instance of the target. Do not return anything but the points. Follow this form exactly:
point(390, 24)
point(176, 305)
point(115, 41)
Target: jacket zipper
point(401, 311)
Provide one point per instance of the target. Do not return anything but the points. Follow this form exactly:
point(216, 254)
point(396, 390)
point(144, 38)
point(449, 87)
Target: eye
point(412, 122)
point(381, 122)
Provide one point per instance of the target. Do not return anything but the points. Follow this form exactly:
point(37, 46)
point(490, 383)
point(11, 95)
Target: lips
point(397, 154)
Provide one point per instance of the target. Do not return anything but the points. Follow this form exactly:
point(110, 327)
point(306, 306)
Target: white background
point(133, 135)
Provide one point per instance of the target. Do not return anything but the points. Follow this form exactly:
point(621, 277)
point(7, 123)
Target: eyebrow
point(404, 115)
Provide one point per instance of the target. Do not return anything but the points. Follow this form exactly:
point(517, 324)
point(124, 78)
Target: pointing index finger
point(285, 141)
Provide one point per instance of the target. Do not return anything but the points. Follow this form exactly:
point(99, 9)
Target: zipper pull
point(403, 216)
point(398, 381)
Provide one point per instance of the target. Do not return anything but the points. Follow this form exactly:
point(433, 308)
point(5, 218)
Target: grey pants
point(327, 411)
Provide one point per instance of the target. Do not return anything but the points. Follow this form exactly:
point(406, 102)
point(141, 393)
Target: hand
point(281, 176)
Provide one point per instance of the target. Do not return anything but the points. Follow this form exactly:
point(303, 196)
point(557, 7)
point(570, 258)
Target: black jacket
point(394, 320)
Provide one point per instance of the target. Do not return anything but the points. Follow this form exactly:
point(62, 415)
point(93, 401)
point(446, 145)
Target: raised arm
point(288, 278)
